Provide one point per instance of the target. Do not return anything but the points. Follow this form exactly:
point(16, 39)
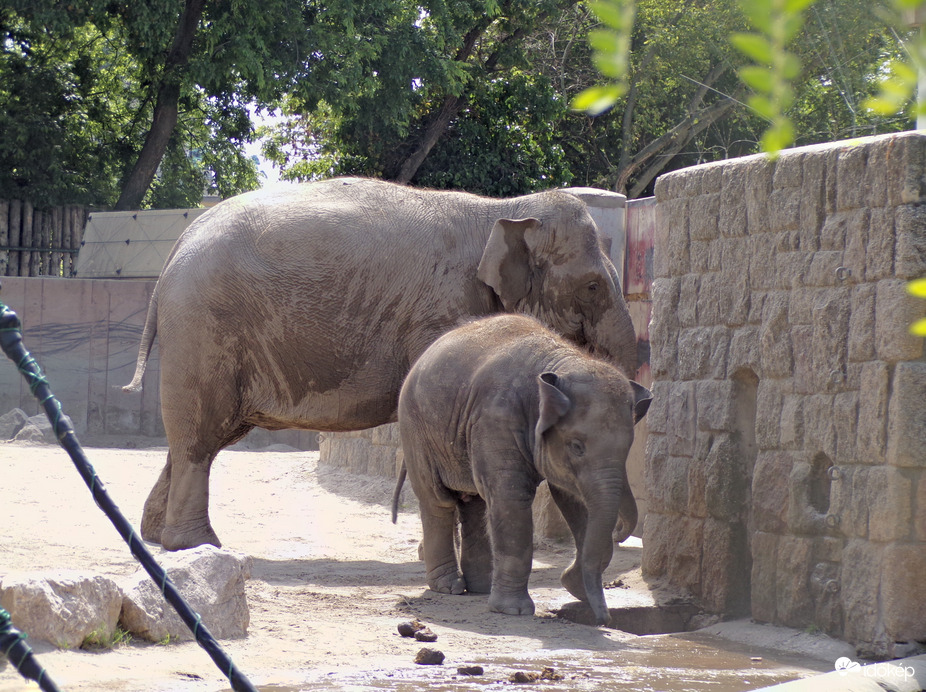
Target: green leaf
point(779, 136)
point(604, 41)
point(918, 328)
point(755, 46)
point(795, 6)
point(917, 287)
point(612, 13)
point(791, 66)
point(763, 106)
point(759, 78)
point(596, 100)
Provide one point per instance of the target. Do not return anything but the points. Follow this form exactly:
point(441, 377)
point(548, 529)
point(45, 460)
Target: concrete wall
point(786, 460)
point(84, 333)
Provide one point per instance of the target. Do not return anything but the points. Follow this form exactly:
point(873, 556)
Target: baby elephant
point(490, 410)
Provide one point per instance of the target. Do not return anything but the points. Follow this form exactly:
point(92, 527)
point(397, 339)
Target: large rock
point(11, 423)
point(66, 609)
point(210, 579)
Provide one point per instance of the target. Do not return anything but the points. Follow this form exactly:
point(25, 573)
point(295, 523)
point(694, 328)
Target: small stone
point(429, 657)
point(521, 676)
point(549, 673)
point(470, 670)
point(425, 635)
point(408, 629)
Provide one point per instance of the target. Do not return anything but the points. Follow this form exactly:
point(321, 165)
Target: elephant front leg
point(187, 523)
point(576, 517)
point(154, 514)
point(438, 524)
point(512, 530)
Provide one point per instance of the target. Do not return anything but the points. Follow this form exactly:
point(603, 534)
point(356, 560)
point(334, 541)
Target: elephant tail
point(147, 340)
point(397, 492)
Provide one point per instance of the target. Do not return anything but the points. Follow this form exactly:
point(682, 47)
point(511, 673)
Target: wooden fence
point(39, 242)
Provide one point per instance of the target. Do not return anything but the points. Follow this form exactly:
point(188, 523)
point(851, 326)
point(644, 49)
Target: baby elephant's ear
point(554, 404)
point(642, 398)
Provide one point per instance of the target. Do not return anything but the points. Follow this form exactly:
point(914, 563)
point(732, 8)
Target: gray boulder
point(210, 579)
point(66, 609)
point(11, 423)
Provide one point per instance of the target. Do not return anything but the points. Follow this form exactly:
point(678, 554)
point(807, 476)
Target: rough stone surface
point(11, 423)
point(793, 391)
point(65, 609)
point(212, 582)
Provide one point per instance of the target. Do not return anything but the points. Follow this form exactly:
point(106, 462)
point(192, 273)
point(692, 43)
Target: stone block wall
point(786, 457)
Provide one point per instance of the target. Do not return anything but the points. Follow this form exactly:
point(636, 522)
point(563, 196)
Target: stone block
point(903, 592)
point(704, 210)
point(11, 423)
point(808, 499)
point(830, 339)
point(770, 491)
point(910, 249)
point(769, 402)
point(676, 243)
point(826, 268)
point(694, 353)
point(792, 268)
point(819, 426)
point(656, 416)
point(66, 608)
point(919, 516)
point(874, 398)
point(860, 582)
point(775, 337)
point(757, 306)
point(744, 350)
point(877, 173)
point(699, 253)
point(666, 482)
point(890, 504)
point(789, 171)
point(763, 274)
point(212, 582)
point(716, 405)
point(663, 329)
point(792, 421)
point(725, 479)
point(656, 540)
point(696, 482)
point(732, 219)
point(689, 295)
point(548, 520)
point(813, 201)
point(664, 187)
point(879, 250)
point(908, 169)
point(831, 180)
point(784, 208)
point(764, 576)
point(906, 429)
point(758, 173)
point(386, 435)
point(895, 311)
point(802, 352)
point(690, 183)
point(846, 416)
point(725, 569)
point(862, 323)
point(684, 563)
point(794, 607)
point(850, 188)
point(856, 246)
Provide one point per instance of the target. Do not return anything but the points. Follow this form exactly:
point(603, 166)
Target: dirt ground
point(332, 578)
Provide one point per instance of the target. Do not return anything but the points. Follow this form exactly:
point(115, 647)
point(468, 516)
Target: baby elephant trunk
point(603, 499)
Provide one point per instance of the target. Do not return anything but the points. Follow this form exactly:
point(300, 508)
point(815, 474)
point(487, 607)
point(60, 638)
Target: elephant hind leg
point(475, 546)
point(155, 512)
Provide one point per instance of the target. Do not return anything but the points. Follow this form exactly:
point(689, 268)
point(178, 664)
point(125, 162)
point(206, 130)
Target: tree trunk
point(166, 110)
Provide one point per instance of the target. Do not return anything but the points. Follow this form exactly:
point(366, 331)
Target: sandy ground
point(332, 579)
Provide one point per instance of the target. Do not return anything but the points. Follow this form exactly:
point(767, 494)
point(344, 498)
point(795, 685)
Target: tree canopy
point(117, 103)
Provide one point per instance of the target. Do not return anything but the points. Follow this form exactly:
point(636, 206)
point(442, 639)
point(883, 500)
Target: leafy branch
point(611, 48)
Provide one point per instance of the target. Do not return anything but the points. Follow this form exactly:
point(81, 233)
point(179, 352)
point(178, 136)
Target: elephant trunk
point(627, 516)
point(612, 336)
point(603, 500)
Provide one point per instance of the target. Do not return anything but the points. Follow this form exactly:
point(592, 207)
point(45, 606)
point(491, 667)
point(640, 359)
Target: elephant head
point(554, 269)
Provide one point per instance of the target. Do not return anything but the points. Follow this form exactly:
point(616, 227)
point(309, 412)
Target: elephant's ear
point(642, 398)
point(554, 404)
point(507, 259)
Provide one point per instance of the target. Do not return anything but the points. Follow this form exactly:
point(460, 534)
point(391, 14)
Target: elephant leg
point(512, 530)
point(438, 526)
point(576, 517)
point(155, 511)
point(188, 524)
point(475, 548)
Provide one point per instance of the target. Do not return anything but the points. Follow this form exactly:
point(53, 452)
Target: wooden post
point(25, 257)
point(78, 218)
point(15, 236)
point(38, 230)
point(54, 239)
point(4, 235)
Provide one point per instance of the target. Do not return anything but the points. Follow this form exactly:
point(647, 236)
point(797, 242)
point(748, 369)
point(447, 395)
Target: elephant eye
point(576, 447)
point(593, 286)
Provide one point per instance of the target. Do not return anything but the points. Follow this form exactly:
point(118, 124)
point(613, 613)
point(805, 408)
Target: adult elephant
point(305, 306)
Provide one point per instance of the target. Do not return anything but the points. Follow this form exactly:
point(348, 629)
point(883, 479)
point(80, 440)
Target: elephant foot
point(152, 524)
point(189, 536)
point(511, 604)
point(481, 583)
point(572, 581)
point(452, 584)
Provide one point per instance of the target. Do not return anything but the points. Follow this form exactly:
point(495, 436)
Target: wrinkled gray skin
point(304, 307)
point(489, 411)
